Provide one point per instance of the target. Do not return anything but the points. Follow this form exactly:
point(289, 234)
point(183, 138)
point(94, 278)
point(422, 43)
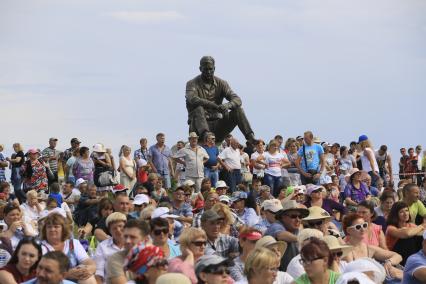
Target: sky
point(115, 71)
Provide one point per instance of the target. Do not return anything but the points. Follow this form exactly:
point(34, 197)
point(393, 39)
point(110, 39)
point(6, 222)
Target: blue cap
point(239, 195)
point(362, 138)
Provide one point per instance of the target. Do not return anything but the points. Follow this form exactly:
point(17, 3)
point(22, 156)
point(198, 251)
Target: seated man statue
point(206, 110)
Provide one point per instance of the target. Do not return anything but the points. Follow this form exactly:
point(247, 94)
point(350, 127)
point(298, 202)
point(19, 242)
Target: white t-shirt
point(274, 163)
point(282, 278)
point(366, 166)
point(79, 252)
point(294, 268)
point(254, 157)
point(231, 158)
point(70, 164)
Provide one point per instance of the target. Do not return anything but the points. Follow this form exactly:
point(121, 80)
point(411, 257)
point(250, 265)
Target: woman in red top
point(22, 266)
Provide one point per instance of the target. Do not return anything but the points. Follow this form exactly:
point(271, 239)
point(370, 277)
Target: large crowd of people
point(295, 211)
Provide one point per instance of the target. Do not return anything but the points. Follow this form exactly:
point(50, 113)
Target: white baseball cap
point(273, 205)
point(225, 198)
point(79, 182)
point(221, 184)
point(162, 212)
point(141, 199)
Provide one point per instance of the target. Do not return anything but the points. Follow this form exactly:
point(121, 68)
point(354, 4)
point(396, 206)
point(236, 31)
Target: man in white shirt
point(193, 158)
point(229, 159)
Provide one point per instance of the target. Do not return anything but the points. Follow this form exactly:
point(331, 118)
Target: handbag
point(108, 178)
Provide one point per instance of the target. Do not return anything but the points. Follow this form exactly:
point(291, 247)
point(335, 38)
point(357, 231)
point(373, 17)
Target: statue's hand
point(223, 108)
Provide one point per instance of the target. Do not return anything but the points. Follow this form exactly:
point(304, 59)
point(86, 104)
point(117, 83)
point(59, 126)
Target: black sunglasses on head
point(220, 270)
point(315, 223)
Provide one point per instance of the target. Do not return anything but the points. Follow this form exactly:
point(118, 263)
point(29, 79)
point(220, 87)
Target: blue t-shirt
point(313, 154)
point(213, 152)
point(274, 229)
point(413, 263)
point(58, 198)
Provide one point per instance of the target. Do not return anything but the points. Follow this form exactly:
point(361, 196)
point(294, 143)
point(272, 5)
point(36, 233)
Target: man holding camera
point(310, 160)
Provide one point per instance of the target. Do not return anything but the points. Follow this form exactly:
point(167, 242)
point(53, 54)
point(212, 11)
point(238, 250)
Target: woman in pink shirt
point(374, 233)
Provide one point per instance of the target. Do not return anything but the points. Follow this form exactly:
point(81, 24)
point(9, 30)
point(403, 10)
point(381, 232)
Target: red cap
point(252, 236)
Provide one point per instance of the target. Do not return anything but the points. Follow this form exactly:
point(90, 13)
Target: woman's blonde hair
point(56, 219)
point(147, 212)
point(258, 260)
point(18, 146)
point(31, 194)
point(189, 235)
point(366, 144)
point(224, 209)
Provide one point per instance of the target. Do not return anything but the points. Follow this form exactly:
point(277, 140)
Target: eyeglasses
point(218, 270)
point(199, 243)
point(315, 223)
point(161, 263)
point(338, 254)
point(294, 216)
point(309, 261)
point(358, 227)
point(187, 194)
point(158, 232)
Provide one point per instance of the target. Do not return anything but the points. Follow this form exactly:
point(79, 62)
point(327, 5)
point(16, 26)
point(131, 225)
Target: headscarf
point(140, 258)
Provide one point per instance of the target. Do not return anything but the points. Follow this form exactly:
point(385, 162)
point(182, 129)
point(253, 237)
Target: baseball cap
point(118, 188)
point(188, 182)
point(326, 179)
point(273, 205)
point(75, 140)
point(362, 138)
point(210, 260)
point(79, 182)
point(141, 199)
point(252, 236)
point(225, 198)
point(238, 195)
point(162, 212)
point(210, 215)
point(114, 217)
point(312, 187)
point(53, 139)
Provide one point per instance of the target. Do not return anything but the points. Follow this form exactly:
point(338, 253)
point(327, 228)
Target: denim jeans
point(213, 175)
point(16, 180)
point(274, 183)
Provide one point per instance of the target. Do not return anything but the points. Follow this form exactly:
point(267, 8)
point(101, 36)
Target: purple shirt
point(160, 159)
point(328, 205)
point(355, 194)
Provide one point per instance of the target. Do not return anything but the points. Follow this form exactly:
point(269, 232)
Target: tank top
point(366, 166)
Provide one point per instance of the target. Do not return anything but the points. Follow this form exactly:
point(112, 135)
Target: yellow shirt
point(417, 208)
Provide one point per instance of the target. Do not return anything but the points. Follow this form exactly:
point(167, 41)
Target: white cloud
point(147, 16)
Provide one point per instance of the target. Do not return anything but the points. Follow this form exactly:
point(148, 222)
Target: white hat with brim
point(99, 148)
point(221, 184)
point(334, 245)
point(225, 198)
point(317, 213)
point(163, 212)
point(354, 276)
point(267, 241)
point(292, 205)
point(367, 264)
point(175, 278)
point(141, 199)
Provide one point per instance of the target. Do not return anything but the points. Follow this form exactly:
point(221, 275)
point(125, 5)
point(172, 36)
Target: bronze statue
point(206, 110)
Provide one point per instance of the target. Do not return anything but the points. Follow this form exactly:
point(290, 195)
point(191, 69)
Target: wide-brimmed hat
point(99, 148)
point(273, 205)
point(294, 206)
point(333, 244)
point(317, 213)
point(115, 217)
point(175, 278)
point(192, 135)
point(188, 182)
point(267, 241)
point(353, 171)
point(221, 184)
point(210, 215)
point(317, 140)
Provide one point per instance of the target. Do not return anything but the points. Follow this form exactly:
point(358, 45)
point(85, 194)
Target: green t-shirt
point(417, 208)
point(304, 279)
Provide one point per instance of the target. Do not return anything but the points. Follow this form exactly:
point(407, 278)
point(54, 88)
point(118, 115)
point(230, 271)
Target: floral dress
point(38, 178)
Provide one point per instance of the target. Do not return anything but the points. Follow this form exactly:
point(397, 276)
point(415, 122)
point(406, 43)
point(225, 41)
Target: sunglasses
point(315, 224)
point(199, 243)
point(35, 240)
point(295, 216)
point(158, 232)
point(338, 254)
point(218, 270)
point(309, 261)
point(358, 227)
point(161, 263)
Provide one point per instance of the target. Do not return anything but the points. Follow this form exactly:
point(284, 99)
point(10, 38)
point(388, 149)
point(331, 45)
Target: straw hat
point(267, 241)
point(317, 213)
point(175, 278)
point(333, 245)
point(292, 205)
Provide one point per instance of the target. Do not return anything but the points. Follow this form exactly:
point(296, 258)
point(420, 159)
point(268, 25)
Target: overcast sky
point(115, 71)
